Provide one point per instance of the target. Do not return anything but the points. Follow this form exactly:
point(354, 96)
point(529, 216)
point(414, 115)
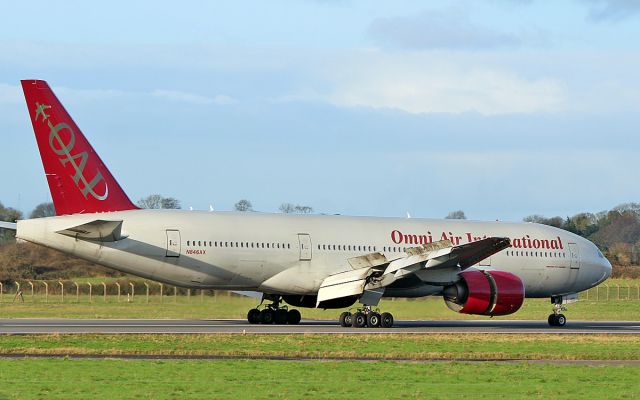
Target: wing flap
point(98, 230)
point(343, 284)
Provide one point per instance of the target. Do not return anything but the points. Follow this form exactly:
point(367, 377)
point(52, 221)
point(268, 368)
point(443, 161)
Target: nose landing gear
point(273, 313)
point(557, 318)
point(366, 316)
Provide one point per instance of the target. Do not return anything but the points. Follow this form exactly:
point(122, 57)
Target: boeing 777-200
point(483, 268)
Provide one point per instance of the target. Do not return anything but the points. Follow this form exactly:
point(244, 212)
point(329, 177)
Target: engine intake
point(485, 293)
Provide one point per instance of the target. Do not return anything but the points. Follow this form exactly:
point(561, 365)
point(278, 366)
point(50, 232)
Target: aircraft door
point(574, 266)
point(305, 246)
point(173, 243)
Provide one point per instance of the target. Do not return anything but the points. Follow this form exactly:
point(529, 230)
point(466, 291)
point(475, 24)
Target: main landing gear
point(273, 313)
point(366, 317)
point(557, 319)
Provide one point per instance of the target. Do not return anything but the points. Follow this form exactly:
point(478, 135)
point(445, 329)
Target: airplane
point(312, 261)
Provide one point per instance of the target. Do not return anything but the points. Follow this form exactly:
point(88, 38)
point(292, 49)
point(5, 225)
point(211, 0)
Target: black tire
point(267, 316)
point(373, 320)
point(253, 316)
point(386, 320)
point(345, 319)
point(359, 320)
point(561, 320)
point(293, 317)
point(552, 320)
point(281, 316)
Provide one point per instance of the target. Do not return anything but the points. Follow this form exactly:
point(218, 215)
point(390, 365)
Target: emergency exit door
point(305, 246)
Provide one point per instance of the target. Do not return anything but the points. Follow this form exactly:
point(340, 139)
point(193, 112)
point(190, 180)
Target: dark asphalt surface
point(48, 326)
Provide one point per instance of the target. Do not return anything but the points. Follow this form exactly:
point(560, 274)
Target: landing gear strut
point(273, 313)
point(557, 319)
point(366, 316)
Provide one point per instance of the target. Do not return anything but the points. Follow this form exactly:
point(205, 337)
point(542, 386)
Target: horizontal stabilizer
point(98, 230)
point(8, 225)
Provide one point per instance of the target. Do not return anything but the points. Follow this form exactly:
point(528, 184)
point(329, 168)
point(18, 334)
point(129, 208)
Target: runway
point(186, 326)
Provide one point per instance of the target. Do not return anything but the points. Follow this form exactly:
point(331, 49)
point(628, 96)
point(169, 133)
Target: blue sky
point(500, 108)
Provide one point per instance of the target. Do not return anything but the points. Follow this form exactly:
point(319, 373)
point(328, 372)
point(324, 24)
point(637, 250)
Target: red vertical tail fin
point(78, 179)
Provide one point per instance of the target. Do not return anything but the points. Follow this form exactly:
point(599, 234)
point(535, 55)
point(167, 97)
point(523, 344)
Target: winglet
point(78, 179)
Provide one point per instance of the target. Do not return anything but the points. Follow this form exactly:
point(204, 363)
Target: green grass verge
point(120, 379)
point(377, 346)
point(209, 307)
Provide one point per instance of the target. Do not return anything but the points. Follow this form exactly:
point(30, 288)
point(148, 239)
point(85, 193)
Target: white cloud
point(433, 82)
point(222, 100)
point(192, 98)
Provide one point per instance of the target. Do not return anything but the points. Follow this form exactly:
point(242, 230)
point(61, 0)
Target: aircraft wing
point(8, 225)
point(98, 230)
point(435, 263)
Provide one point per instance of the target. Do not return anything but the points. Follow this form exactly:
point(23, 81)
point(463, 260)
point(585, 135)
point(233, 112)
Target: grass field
point(63, 378)
point(250, 379)
point(333, 375)
point(343, 346)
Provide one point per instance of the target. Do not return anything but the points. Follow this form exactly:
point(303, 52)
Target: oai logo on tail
point(78, 161)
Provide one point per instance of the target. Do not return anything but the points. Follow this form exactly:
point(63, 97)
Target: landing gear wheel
point(267, 316)
point(373, 320)
point(552, 320)
point(253, 316)
point(346, 319)
point(293, 317)
point(561, 320)
point(386, 320)
point(359, 320)
point(281, 316)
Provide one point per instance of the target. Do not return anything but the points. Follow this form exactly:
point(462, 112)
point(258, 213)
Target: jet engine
point(485, 293)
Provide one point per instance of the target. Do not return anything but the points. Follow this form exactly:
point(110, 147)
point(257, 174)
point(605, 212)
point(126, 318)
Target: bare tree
point(456, 215)
point(289, 208)
point(43, 210)
point(155, 201)
point(243, 205)
point(170, 203)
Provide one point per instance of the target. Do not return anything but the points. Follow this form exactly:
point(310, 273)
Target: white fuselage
point(292, 254)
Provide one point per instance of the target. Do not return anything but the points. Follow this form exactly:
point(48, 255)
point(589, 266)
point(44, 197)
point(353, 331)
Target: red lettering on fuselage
point(192, 251)
point(525, 242)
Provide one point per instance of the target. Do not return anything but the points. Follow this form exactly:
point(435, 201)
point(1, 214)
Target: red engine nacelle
point(485, 293)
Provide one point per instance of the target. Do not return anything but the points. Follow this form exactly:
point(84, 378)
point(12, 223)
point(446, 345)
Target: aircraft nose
point(606, 268)
point(595, 267)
